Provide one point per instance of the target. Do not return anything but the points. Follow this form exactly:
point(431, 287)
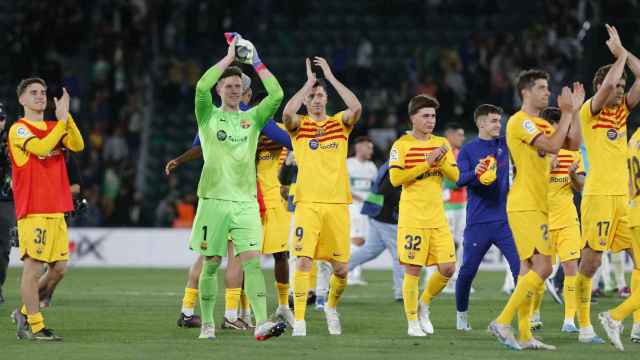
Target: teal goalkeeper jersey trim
point(229, 141)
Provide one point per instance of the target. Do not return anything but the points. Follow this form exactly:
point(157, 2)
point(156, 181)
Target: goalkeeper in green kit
point(227, 203)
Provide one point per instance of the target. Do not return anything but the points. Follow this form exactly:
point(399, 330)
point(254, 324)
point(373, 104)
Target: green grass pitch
point(131, 314)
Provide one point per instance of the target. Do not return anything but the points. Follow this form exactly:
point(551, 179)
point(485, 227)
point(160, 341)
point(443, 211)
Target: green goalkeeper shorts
point(217, 221)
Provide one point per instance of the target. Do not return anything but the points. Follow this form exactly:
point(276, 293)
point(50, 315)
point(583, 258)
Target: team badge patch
point(320, 132)
point(612, 134)
point(245, 124)
point(222, 135)
point(313, 144)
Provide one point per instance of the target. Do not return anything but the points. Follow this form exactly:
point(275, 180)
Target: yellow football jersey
point(605, 137)
point(562, 211)
point(270, 156)
point(530, 166)
point(321, 149)
point(633, 164)
point(421, 202)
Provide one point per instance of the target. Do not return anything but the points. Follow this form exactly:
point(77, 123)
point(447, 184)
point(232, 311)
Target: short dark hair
point(422, 101)
point(527, 78)
point(486, 109)
point(24, 84)
point(453, 126)
point(552, 114)
point(320, 83)
point(231, 71)
point(601, 73)
point(360, 139)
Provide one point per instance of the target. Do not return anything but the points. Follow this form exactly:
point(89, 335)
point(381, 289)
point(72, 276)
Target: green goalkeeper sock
point(255, 288)
point(208, 285)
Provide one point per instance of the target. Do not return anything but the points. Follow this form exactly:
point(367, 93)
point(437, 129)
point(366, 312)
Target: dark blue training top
point(270, 130)
point(484, 203)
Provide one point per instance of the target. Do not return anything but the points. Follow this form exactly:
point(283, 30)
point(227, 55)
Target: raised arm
point(204, 101)
point(290, 115)
point(354, 107)
point(553, 143)
point(574, 135)
point(614, 75)
point(633, 97)
point(72, 140)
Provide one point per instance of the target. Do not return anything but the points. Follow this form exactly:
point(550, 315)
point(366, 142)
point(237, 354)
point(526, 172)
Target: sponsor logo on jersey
point(612, 134)
point(559, 179)
point(314, 144)
point(245, 124)
point(265, 156)
point(222, 135)
point(430, 173)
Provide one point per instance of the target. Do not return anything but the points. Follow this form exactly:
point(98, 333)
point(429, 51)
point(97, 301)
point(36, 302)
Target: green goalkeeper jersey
point(229, 141)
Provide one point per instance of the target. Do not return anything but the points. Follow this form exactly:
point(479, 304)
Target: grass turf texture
point(131, 314)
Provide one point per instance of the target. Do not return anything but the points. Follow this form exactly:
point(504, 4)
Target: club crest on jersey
point(245, 124)
point(320, 132)
point(612, 134)
point(314, 144)
point(222, 135)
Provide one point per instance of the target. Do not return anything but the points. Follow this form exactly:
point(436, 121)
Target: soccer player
point(634, 222)
point(567, 176)
point(456, 199)
point(418, 162)
point(362, 172)
point(322, 195)
point(605, 223)
point(527, 203)
point(42, 195)
point(484, 171)
point(227, 187)
point(382, 208)
point(233, 273)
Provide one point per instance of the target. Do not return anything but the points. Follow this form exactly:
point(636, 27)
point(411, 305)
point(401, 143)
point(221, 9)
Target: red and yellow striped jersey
point(421, 202)
point(562, 211)
point(270, 156)
point(321, 150)
point(605, 137)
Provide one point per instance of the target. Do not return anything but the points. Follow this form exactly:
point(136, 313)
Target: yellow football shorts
point(566, 242)
point(605, 222)
point(275, 229)
point(425, 247)
point(321, 231)
point(43, 238)
point(530, 232)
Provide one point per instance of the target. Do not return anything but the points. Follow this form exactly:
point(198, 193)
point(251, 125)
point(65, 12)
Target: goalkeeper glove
point(246, 53)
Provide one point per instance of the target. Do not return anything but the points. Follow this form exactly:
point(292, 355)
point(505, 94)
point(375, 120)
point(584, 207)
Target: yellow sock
point(313, 276)
point(630, 305)
point(23, 310)
point(527, 285)
point(36, 321)
point(336, 288)
point(300, 290)
point(635, 286)
point(410, 292)
point(436, 283)
point(189, 299)
point(536, 299)
point(245, 305)
point(283, 293)
point(231, 301)
point(569, 295)
point(583, 298)
point(525, 310)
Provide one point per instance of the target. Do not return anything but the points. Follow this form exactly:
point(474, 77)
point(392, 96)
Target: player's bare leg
point(49, 281)
point(30, 311)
